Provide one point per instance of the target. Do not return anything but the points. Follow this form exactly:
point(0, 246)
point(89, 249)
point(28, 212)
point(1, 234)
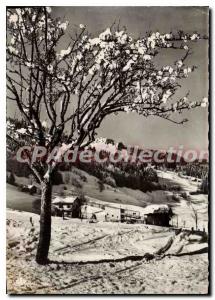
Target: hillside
point(108, 257)
point(76, 181)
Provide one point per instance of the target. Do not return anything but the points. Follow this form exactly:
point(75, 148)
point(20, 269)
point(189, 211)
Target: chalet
point(129, 215)
point(159, 215)
point(30, 188)
point(113, 213)
point(62, 206)
point(119, 214)
point(92, 212)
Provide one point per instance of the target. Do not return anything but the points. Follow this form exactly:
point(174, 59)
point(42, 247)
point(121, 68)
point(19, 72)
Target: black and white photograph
point(107, 150)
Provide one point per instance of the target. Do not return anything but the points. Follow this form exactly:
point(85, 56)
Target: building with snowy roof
point(60, 205)
point(92, 212)
point(159, 215)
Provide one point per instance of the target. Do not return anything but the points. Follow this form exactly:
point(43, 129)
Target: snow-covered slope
point(108, 251)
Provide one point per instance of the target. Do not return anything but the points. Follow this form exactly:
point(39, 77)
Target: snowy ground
point(110, 258)
point(182, 209)
point(104, 258)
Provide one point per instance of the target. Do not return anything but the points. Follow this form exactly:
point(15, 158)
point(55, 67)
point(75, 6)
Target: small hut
point(31, 188)
point(159, 215)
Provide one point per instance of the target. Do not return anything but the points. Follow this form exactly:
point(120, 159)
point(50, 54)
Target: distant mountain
point(104, 144)
point(111, 146)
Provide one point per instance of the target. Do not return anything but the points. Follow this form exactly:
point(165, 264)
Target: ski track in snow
point(110, 258)
point(163, 274)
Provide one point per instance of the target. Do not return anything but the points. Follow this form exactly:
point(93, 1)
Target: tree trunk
point(45, 224)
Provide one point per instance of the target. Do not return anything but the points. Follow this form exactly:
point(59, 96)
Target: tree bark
point(45, 224)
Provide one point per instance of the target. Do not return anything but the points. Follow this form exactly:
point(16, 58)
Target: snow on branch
point(80, 84)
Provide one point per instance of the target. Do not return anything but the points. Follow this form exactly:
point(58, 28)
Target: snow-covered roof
point(156, 208)
point(100, 213)
point(91, 209)
point(30, 186)
point(67, 200)
point(110, 206)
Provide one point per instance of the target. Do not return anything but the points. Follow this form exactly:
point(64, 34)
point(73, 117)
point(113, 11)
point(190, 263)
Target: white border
point(111, 3)
point(3, 5)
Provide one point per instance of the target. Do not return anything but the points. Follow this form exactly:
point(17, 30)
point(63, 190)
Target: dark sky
point(155, 132)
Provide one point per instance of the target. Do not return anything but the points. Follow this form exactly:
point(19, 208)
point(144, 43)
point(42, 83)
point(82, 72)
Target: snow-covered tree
point(64, 93)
